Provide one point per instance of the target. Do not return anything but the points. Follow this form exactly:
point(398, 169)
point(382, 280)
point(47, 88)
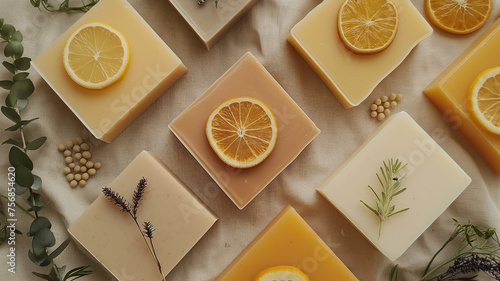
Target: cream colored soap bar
point(449, 93)
point(247, 78)
point(180, 219)
point(349, 76)
point(432, 183)
point(153, 68)
point(288, 240)
point(210, 22)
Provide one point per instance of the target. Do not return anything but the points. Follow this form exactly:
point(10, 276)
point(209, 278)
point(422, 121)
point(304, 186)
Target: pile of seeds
point(381, 108)
point(79, 167)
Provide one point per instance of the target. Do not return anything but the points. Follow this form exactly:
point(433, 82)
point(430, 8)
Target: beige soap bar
point(210, 22)
point(353, 77)
point(153, 68)
point(111, 236)
point(247, 78)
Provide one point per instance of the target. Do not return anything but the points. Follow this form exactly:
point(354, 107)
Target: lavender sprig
point(125, 207)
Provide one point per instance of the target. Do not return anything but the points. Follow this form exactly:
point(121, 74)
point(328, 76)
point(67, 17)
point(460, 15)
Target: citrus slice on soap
point(458, 16)
point(242, 132)
point(96, 55)
point(484, 99)
point(280, 273)
point(367, 26)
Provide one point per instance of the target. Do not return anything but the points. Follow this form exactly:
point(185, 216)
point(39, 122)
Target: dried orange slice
point(96, 55)
point(484, 99)
point(367, 26)
point(282, 272)
point(458, 16)
point(242, 132)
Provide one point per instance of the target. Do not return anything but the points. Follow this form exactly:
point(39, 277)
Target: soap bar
point(247, 78)
point(287, 240)
point(180, 219)
point(153, 68)
point(433, 181)
point(210, 22)
point(449, 92)
point(349, 76)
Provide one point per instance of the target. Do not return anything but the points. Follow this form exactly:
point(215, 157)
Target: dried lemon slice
point(282, 272)
point(96, 55)
point(242, 132)
point(367, 26)
point(484, 99)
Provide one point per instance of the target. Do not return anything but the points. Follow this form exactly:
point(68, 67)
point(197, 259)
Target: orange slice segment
point(242, 132)
point(484, 99)
point(367, 26)
point(458, 16)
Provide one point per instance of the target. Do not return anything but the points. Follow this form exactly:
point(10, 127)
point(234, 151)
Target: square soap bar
point(180, 219)
point(210, 22)
point(287, 240)
point(316, 39)
point(449, 92)
point(433, 181)
point(247, 78)
point(153, 68)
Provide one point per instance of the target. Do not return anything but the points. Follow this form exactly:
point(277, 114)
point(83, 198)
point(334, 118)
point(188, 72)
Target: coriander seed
point(83, 169)
point(61, 147)
point(68, 159)
point(378, 102)
point(87, 155)
point(374, 114)
point(69, 144)
point(92, 172)
point(73, 183)
point(373, 107)
point(384, 98)
point(78, 156)
point(380, 108)
point(70, 177)
point(380, 116)
point(83, 161)
point(85, 176)
point(97, 165)
point(82, 183)
point(387, 112)
point(71, 165)
point(85, 146)
point(394, 104)
point(79, 140)
point(66, 170)
point(387, 104)
point(392, 96)
point(67, 153)
point(399, 97)
point(76, 148)
point(78, 177)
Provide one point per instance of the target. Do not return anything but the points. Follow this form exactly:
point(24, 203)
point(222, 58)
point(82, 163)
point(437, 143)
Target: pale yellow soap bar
point(247, 78)
point(353, 77)
point(449, 92)
point(433, 181)
point(288, 240)
point(210, 22)
point(180, 219)
point(153, 68)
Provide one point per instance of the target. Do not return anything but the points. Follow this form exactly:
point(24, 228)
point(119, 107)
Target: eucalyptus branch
point(19, 89)
point(65, 6)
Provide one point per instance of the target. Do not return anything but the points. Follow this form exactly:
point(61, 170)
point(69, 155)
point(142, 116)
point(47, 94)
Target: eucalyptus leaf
point(36, 144)
point(17, 36)
point(13, 142)
point(37, 182)
point(7, 30)
point(21, 104)
point(9, 66)
point(19, 190)
point(35, 3)
point(35, 201)
point(59, 249)
point(10, 100)
point(18, 157)
point(58, 272)
point(43, 276)
point(24, 177)
point(13, 48)
point(20, 75)
point(13, 128)
point(23, 88)
point(37, 259)
point(20, 124)
point(38, 224)
point(11, 113)
point(6, 84)
point(42, 240)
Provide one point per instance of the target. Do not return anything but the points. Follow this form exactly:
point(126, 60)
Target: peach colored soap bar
point(349, 76)
point(295, 130)
point(210, 22)
point(153, 68)
point(180, 219)
point(288, 240)
point(449, 91)
point(433, 181)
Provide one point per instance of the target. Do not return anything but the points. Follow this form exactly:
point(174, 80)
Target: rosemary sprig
point(391, 187)
point(65, 5)
point(477, 251)
point(148, 228)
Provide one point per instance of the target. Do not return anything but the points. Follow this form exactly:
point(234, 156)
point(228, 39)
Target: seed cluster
point(381, 108)
point(79, 168)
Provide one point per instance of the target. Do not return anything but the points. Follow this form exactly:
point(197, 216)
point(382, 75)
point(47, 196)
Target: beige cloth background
point(263, 32)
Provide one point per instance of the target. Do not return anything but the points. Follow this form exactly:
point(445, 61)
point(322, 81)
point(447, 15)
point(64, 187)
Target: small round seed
point(85, 176)
point(89, 164)
point(67, 153)
point(83, 169)
point(97, 165)
point(380, 116)
point(71, 165)
point(87, 155)
point(373, 106)
point(387, 104)
point(73, 183)
point(85, 146)
point(61, 147)
point(384, 98)
point(76, 148)
point(69, 144)
point(78, 177)
point(394, 104)
point(399, 97)
point(378, 102)
point(78, 156)
point(82, 183)
point(77, 169)
point(84, 137)
point(373, 114)
point(83, 161)
point(68, 159)
point(392, 96)
point(79, 140)
point(70, 177)
point(92, 171)
point(67, 170)
point(380, 108)
point(387, 112)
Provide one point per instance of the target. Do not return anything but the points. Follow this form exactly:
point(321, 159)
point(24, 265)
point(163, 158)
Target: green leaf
point(20, 190)
point(37, 182)
point(38, 224)
point(1, 22)
point(10, 100)
point(13, 142)
point(21, 104)
point(11, 113)
point(24, 177)
point(7, 30)
point(20, 124)
point(23, 63)
point(58, 272)
point(22, 89)
point(43, 276)
point(37, 259)
point(18, 157)
point(6, 84)
point(78, 272)
point(35, 201)
point(20, 75)
point(42, 240)
point(477, 231)
point(17, 36)
point(35, 3)
point(36, 144)
point(10, 67)
point(59, 249)
point(13, 49)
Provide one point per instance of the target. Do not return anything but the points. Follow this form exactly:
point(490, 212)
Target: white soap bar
point(433, 181)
